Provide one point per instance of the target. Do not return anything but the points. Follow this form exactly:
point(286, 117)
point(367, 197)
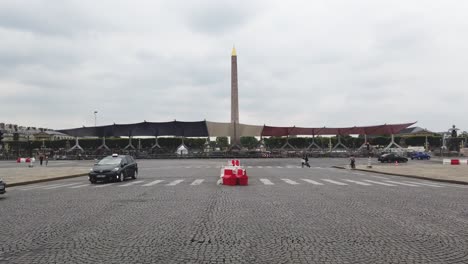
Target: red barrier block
point(229, 178)
point(242, 178)
point(454, 162)
point(18, 160)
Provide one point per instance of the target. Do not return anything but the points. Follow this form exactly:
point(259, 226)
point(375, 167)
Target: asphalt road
point(176, 213)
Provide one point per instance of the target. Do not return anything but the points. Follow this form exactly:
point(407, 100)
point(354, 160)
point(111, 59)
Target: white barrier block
point(446, 161)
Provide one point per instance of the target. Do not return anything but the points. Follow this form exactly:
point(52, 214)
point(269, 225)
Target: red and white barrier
point(455, 161)
point(30, 161)
point(234, 174)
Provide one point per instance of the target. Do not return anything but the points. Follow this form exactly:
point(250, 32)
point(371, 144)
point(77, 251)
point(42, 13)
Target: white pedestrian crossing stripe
point(174, 182)
point(381, 183)
point(425, 184)
point(130, 183)
point(197, 182)
point(313, 182)
point(359, 182)
point(59, 186)
point(103, 185)
point(266, 182)
point(402, 183)
point(153, 183)
point(290, 181)
point(79, 186)
point(334, 182)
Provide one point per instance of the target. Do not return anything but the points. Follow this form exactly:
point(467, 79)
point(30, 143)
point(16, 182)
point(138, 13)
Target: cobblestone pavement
point(176, 213)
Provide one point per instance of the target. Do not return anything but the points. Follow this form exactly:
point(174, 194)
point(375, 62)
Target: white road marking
point(103, 185)
point(60, 186)
point(356, 173)
point(380, 177)
point(298, 167)
point(197, 182)
point(188, 167)
point(381, 183)
point(174, 182)
point(358, 182)
point(290, 181)
point(130, 183)
point(153, 183)
point(266, 182)
point(279, 167)
point(260, 167)
point(453, 185)
point(402, 183)
point(313, 182)
point(334, 182)
point(79, 186)
point(39, 186)
point(249, 167)
point(425, 184)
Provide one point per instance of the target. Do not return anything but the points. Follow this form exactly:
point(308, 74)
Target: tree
point(249, 142)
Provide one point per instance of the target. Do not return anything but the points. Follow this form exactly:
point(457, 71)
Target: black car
point(114, 168)
point(2, 187)
point(392, 157)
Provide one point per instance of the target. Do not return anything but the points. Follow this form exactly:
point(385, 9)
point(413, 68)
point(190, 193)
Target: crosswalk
point(343, 182)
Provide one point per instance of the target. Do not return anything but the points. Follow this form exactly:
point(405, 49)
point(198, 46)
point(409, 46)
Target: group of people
point(43, 157)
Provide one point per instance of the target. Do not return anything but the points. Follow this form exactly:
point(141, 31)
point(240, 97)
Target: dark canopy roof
point(200, 129)
point(365, 130)
point(174, 128)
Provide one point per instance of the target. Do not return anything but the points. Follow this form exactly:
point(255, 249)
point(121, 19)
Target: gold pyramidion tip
point(233, 51)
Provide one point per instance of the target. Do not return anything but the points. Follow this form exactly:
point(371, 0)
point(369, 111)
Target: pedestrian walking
point(41, 158)
point(352, 162)
point(46, 160)
point(305, 161)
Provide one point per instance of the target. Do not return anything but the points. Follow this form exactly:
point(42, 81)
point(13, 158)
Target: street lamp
point(95, 118)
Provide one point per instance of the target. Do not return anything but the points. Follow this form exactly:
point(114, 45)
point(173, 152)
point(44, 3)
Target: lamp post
point(95, 117)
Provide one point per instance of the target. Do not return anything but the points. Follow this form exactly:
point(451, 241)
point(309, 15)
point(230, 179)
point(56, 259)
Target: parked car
point(420, 155)
point(391, 157)
point(2, 187)
point(114, 168)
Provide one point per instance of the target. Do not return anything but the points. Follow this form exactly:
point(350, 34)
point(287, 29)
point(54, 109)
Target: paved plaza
point(175, 212)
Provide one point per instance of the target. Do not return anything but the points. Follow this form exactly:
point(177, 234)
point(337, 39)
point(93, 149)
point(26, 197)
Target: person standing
point(46, 160)
point(41, 158)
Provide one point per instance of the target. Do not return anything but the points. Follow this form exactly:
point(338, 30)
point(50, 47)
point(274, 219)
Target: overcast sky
point(303, 63)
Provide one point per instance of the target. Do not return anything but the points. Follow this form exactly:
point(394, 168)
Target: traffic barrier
point(229, 178)
point(234, 174)
point(242, 178)
point(455, 161)
point(30, 161)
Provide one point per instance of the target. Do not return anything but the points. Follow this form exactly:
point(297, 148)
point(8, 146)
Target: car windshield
point(110, 161)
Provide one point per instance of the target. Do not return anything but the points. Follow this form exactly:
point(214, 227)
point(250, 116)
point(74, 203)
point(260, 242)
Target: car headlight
point(116, 169)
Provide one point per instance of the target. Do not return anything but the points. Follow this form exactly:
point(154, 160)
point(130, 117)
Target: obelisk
point(234, 99)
